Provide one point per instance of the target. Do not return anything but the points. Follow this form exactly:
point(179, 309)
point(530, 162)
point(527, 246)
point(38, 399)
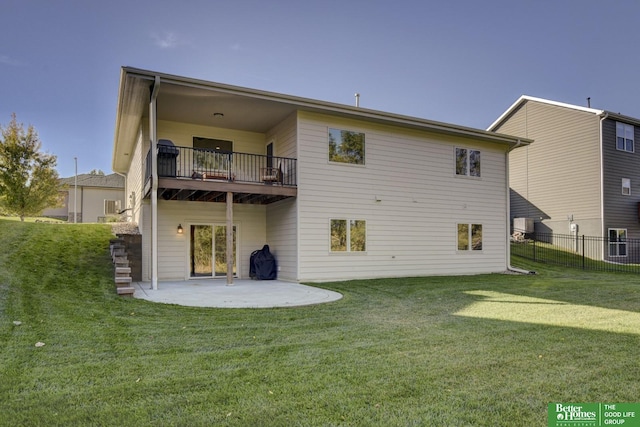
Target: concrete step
point(121, 262)
point(126, 291)
point(123, 281)
point(123, 271)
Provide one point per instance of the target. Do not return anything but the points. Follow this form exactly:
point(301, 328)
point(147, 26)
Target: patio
point(242, 294)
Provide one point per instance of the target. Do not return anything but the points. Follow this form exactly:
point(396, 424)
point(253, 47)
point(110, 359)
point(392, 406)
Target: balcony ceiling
point(198, 105)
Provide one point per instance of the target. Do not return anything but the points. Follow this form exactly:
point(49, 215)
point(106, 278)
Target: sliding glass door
point(208, 251)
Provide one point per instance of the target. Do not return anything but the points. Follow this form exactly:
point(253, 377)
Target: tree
point(28, 179)
point(96, 172)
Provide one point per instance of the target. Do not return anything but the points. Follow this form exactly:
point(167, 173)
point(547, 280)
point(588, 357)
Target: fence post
point(583, 261)
point(534, 247)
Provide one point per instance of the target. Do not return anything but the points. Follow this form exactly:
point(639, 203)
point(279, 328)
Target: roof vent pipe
point(357, 95)
point(589, 101)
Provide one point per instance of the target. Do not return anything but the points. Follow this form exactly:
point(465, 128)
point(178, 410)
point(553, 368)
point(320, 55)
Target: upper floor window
point(626, 187)
point(346, 146)
point(624, 137)
point(467, 162)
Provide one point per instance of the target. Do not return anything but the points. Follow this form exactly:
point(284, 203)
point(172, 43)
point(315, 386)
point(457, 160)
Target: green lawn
point(490, 350)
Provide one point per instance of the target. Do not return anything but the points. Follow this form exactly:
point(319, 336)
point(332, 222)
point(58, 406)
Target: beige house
point(214, 172)
point(98, 197)
point(580, 177)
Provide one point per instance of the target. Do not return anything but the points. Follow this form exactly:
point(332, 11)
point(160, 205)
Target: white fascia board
point(524, 98)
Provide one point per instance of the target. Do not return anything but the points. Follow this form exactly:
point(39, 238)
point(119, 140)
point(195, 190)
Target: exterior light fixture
point(180, 230)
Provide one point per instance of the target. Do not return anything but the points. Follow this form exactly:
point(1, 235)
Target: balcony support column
point(230, 254)
point(153, 130)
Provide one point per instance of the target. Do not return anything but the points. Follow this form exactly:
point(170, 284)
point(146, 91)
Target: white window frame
point(470, 229)
point(625, 137)
point(617, 243)
point(626, 186)
point(467, 162)
point(348, 224)
point(111, 207)
point(338, 162)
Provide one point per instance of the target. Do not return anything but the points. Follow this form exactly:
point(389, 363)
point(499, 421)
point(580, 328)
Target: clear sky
point(456, 61)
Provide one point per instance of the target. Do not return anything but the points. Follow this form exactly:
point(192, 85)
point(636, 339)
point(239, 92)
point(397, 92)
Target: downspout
point(153, 130)
point(508, 199)
point(124, 176)
point(603, 117)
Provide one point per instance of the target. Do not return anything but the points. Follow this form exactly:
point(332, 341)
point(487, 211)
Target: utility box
point(523, 225)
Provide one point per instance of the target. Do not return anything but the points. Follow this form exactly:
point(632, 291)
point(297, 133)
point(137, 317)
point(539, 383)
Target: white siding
point(412, 229)
point(135, 178)
point(282, 237)
point(282, 222)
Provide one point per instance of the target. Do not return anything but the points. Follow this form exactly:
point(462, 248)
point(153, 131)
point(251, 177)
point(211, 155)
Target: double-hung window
point(348, 235)
point(469, 237)
point(626, 187)
point(617, 242)
point(111, 207)
point(624, 137)
point(467, 162)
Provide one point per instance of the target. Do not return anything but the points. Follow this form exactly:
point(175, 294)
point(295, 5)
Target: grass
point(488, 350)
point(553, 254)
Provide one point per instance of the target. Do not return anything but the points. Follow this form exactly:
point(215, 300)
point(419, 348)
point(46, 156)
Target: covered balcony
point(205, 175)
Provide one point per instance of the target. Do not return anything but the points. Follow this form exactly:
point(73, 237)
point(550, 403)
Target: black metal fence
point(579, 251)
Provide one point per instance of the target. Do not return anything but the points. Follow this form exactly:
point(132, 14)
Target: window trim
point(625, 127)
point(626, 187)
point(348, 249)
point(470, 233)
point(364, 147)
point(617, 243)
point(112, 207)
point(467, 165)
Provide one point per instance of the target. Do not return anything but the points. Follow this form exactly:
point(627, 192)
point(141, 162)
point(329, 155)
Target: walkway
point(242, 294)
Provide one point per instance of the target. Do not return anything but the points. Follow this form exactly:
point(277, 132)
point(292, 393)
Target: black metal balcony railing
point(203, 164)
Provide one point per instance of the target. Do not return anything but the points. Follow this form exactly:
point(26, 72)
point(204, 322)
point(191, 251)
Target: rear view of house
point(582, 175)
point(215, 172)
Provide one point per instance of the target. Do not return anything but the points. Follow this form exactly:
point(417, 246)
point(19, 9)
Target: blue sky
point(461, 62)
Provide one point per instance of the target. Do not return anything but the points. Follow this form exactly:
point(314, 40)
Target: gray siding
point(620, 211)
point(559, 174)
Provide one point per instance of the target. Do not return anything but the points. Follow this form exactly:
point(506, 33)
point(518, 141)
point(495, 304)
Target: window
point(469, 233)
point(624, 137)
point(617, 242)
point(111, 207)
point(351, 238)
point(467, 162)
point(626, 187)
point(346, 147)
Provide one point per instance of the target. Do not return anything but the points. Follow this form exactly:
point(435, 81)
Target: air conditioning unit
point(523, 225)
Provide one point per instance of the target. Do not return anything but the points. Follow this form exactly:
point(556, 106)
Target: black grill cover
point(263, 265)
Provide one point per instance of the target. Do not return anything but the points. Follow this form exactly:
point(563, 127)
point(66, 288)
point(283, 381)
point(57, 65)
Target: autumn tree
point(28, 179)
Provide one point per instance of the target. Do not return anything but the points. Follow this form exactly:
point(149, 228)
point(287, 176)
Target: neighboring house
point(337, 192)
point(98, 198)
point(581, 176)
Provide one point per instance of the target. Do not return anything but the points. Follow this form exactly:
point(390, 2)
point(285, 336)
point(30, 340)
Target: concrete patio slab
point(242, 294)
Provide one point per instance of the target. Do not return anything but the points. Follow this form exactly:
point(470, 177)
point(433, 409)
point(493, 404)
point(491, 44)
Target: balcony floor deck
point(215, 190)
